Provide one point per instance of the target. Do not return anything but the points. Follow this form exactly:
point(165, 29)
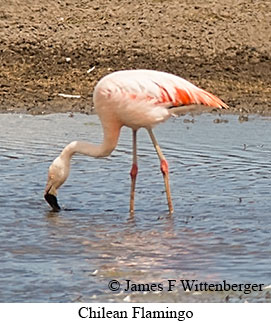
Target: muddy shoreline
point(53, 48)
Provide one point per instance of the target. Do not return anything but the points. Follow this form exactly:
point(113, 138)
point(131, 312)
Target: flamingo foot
point(52, 201)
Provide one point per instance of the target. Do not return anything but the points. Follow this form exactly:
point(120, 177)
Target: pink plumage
point(136, 99)
point(143, 98)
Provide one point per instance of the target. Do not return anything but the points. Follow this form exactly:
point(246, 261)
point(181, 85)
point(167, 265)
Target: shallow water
point(220, 230)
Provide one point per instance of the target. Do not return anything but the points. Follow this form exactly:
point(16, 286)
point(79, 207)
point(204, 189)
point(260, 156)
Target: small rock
point(243, 118)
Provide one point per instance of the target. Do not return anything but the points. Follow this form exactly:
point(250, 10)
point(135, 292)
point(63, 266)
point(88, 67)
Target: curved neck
point(111, 136)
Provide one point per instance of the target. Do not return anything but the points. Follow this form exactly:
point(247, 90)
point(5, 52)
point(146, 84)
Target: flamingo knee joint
point(134, 171)
point(164, 166)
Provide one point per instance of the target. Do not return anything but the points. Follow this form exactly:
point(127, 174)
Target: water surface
point(220, 230)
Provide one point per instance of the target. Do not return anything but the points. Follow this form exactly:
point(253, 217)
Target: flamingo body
point(143, 98)
point(135, 98)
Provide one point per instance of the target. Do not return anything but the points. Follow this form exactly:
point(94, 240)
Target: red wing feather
point(197, 96)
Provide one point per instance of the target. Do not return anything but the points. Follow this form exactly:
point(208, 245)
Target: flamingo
point(135, 99)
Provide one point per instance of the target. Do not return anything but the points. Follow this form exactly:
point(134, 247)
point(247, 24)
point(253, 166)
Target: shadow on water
point(220, 230)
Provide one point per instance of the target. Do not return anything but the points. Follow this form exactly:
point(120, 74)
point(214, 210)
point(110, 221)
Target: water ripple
point(220, 180)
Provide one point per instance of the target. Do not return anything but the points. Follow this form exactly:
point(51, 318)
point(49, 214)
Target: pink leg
point(164, 170)
point(133, 174)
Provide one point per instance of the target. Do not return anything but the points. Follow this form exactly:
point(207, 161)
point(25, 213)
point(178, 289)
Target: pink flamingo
point(135, 99)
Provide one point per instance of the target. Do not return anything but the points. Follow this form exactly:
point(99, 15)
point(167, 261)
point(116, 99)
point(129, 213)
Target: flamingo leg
point(164, 170)
point(133, 174)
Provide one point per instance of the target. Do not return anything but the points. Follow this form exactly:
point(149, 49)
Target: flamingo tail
point(198, 96)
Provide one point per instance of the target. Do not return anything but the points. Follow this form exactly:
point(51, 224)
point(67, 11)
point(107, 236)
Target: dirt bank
point(47, 48)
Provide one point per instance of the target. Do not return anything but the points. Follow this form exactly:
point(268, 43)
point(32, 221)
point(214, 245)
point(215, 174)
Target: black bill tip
point(52, 201)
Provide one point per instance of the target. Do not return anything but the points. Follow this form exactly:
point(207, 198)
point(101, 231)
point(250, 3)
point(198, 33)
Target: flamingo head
point(58, 173)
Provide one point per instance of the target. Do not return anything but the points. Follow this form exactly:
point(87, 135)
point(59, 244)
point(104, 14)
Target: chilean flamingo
point(135, 99)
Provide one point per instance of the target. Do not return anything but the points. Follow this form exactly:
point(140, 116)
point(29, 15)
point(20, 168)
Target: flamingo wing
point(158, 88)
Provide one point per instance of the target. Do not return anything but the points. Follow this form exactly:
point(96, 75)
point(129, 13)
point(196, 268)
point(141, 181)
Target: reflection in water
point(220, 229)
